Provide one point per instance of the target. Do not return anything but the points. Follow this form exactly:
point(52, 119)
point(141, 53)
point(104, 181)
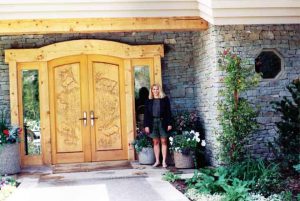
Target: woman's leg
point(164, 150)
point(156, 148)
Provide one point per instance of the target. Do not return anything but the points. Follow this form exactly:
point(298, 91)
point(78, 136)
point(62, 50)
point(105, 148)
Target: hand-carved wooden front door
point(87, 109)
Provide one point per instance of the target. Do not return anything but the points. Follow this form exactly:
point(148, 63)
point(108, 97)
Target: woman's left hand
point(169, 128)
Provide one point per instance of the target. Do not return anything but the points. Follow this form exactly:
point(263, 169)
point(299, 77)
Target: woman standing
point(157, 122)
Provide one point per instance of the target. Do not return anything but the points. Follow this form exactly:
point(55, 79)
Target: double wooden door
point(87, 109)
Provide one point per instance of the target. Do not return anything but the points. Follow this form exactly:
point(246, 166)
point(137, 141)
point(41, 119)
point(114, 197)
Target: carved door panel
point(108, 140)
point(70, 134)
point(87, 109)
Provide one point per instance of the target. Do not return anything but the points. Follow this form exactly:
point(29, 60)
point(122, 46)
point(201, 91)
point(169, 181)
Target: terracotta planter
point(183, 161)
point(146, 156)
point(10, 159)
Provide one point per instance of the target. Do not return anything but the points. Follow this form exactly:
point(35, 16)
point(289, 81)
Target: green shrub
point(264, 176)
point(237, 191)
point(170, 176)
point(288, 142)
point(237, 116)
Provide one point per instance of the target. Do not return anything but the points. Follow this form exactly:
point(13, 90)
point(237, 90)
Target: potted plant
point(9, 148)
point(184, 147)
point(144, 148)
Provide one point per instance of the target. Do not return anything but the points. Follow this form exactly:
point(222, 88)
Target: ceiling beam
point(95, 25)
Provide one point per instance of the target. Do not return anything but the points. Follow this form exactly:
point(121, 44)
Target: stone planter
point(146, 156)
point(10, 159)
point(183, 161)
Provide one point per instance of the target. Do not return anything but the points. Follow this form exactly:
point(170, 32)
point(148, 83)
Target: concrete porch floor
point(139, 183)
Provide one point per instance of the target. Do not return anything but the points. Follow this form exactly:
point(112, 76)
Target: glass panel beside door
point(31, 112)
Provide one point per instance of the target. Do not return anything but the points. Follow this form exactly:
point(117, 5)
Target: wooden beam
point(94, 25)
point(88, 46)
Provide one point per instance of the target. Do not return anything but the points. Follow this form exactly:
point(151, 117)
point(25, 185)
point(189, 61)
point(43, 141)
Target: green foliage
point(288, 141)
point(206, 181)
point(142, 140)
point(237, 116)
point(238, 191)
point(8, 134)
point(297, 167)
point(287, 196)
point(31, 95)
point(216, 181)
point(185, 142)
point(186, 121)
point(236, 180)
point(170, 176)
point(264, 176)
point(3, 127)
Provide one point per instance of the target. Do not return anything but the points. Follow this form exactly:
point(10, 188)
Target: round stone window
point(268, 63)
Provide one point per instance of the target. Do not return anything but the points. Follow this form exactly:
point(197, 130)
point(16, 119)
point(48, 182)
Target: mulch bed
point(180, 185)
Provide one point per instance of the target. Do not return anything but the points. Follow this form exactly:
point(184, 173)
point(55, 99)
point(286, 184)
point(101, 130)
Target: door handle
point(92, 118)
point(84, 119)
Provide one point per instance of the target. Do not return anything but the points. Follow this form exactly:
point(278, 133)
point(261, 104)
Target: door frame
point(40, 57)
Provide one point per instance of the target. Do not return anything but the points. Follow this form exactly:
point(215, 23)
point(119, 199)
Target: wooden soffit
point(95, 25)
point(78, 47)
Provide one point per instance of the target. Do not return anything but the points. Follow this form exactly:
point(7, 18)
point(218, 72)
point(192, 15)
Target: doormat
point(88, 167)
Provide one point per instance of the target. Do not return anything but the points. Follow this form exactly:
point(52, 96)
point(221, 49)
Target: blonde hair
point(161, 92)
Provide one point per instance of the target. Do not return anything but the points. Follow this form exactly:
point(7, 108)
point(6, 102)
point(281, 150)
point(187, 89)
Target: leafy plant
point(297, 167)
point(237, 116)
point(8, 134)
point(186, 121)
point(206, 182)
point(141, 141)
point(288, 141)
point(185, 142)
point(170, 176)
point(237, 191)
point(31, 94)
point(263, 176)
point(216, 181)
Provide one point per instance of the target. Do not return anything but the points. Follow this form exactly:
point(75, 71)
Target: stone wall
point(206, 88)
point(190, 72)
point(246, 41)
point(177, 71)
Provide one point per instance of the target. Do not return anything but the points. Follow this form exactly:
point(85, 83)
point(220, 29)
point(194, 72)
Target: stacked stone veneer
point(246, 41)
point(177, 71)
point(190, 72)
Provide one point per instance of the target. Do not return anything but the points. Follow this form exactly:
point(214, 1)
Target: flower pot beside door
point(144, 148)
point(183, 161)
point(146, 156)
point(9, 148)
point(10, 159)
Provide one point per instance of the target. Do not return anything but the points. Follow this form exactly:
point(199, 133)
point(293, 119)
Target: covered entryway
point(86, 98)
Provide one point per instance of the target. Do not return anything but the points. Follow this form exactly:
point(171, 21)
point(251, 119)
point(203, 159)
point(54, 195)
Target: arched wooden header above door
point(40, 58)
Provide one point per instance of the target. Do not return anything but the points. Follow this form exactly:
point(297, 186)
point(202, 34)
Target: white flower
point(192, 131)
point(177, 149)
point(198, 140)
point(203, 143)
point(188, 139)
point(197, 134)
point(171, 139)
